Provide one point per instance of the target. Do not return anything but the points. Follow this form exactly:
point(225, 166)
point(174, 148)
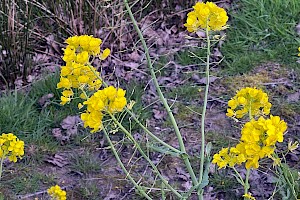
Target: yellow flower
point(57, 193)
point(223, 158)
point(82, 57)
point(95, 45)
point(105, 54)
point(259, 137)
point(64, 83)
point(84, 42)
point(83, 96)
point(80, 106)
point(109, 99)
point(73, 41)
point(92, 120)
point(67, 94)
point(11, 147)
point(69, 54)
point(249, 101)
point(299, 50)
point(206, 16)
point(64, 100)
point(78, 72)
point(249, 196)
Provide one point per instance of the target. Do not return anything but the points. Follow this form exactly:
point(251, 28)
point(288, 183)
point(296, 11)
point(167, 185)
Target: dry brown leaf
point(158, 114)
point(45, 100)
point(51, 42)
point(298, 29)
point(70, 124)
point(187, 185)
point(135, 56)
point(57, 160)
point(293, 97)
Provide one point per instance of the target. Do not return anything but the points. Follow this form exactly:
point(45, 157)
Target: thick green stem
point(204, 110)
point(246, 185)
point(151, 134)
point(1, 167)
point(123, 167)
point(162, 98)
point(144, 155)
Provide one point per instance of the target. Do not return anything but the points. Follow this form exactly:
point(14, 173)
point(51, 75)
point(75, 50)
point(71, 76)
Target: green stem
point(238, 174)
point(1, 167)
point(246, 185)
point(123, 167)
point(204, 110)
point(144, 155)
point(151, 134)
point(162, 98)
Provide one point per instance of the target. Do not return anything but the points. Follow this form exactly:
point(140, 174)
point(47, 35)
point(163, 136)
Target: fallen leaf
point(45, 100)
point(57, 160)
point(187, 185)
point(298, 29)
point(70, 124)
point(135, 56)
point(293, 97)
point(158, 114)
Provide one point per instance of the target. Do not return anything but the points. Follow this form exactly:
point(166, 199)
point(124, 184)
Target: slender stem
point(1, 167)
point(204, 108)
point(150, 133)
point(238, 174)
point(162, 98)
point(144, 155)
point(246, 185)
point(123, 168)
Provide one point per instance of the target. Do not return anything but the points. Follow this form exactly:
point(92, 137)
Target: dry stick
point(165, 103)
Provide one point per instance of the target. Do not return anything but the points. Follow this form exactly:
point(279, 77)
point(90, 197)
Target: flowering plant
point(258, 136)
point(10, 147)
point(99, 100)
point(56, 193)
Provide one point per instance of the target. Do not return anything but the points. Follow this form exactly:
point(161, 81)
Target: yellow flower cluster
point(259, 138)
point(249, 101)
point(299, 51)
point(57, 193)
point(78, 72)
point(257, 141)
point(206, 16)
point(223, 158)
point(11, 147)
point(109, 100)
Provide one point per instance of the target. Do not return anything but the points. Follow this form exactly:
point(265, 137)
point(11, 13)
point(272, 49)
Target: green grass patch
point(223, 181)
point(84, 163)
point(261, 31)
